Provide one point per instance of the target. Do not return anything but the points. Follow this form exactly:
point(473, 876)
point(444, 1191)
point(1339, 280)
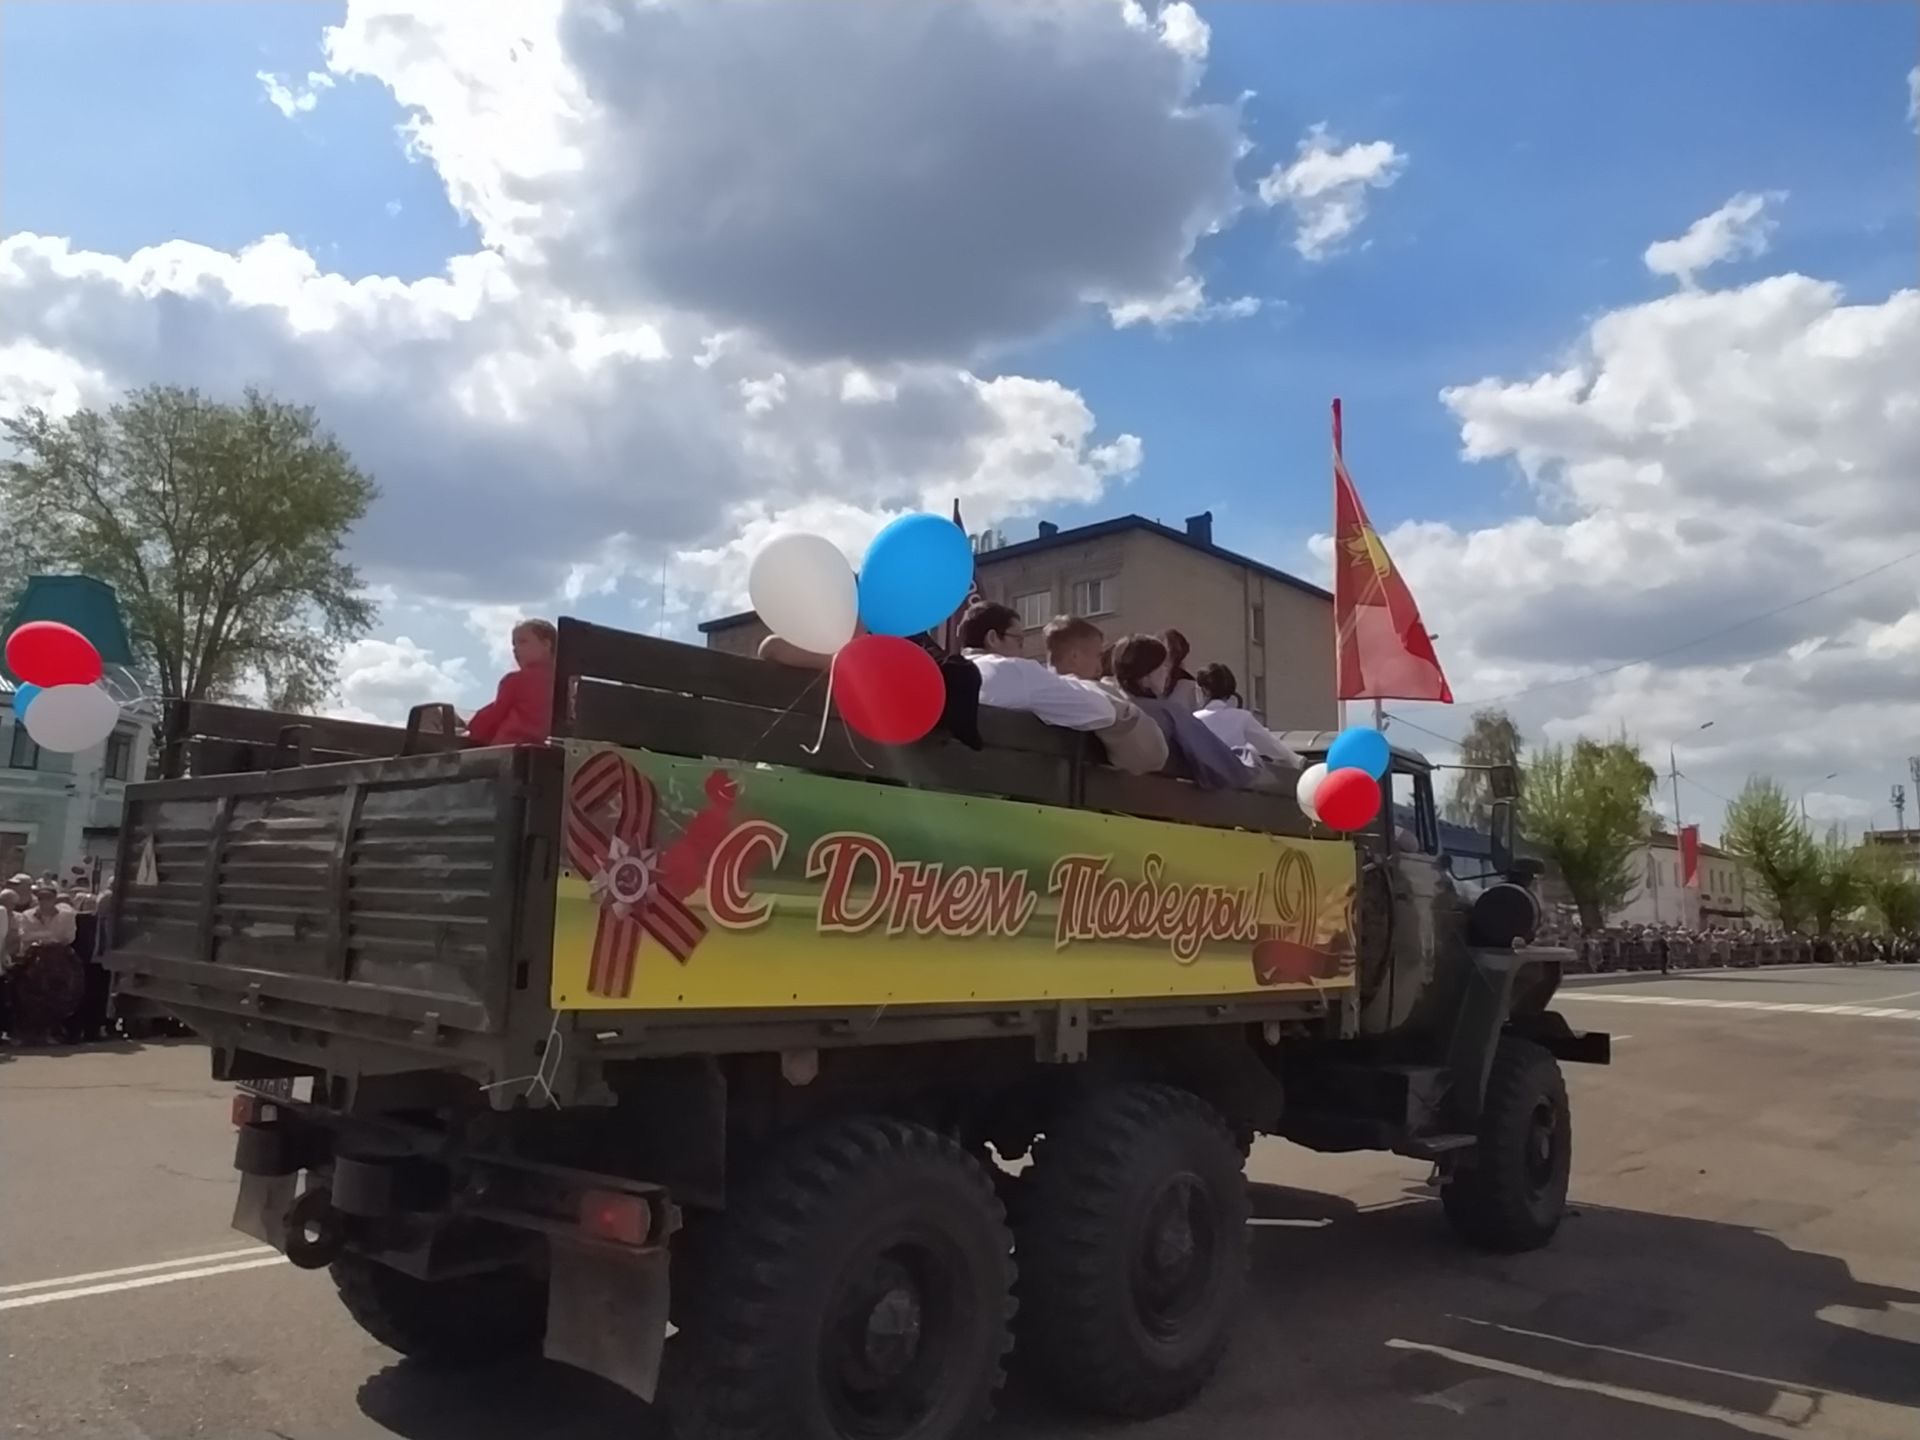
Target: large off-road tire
point(472, 1320)
point(860, 1288)
point(1511, 1193)
point(1132, 1251)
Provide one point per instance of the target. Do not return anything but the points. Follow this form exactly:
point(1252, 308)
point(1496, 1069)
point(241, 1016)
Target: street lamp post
point(1803, 794)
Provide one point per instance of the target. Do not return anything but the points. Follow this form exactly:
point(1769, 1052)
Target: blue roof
point(88, 605)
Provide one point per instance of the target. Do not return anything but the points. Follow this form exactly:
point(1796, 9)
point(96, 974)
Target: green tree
point(1764, 830)
point(1587, 809)
point(1491, 739)
point(219, 525)
point(1890, 889)
point(1835, 886)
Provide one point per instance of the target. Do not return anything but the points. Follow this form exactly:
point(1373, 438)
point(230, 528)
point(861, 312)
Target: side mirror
point(1503, 782)
point(1500, 827)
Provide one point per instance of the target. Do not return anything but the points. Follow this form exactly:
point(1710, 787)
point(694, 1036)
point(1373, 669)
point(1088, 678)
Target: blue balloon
point(1361, 747)
point(917, 572)
point(23, 697)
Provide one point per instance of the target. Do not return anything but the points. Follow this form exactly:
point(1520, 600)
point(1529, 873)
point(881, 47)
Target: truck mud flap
point(260, 1209)
point(607, 1312)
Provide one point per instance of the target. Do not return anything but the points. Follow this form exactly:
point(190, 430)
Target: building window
point(1257, 625)
point(1093, 597)
point(13, 851)
point(119, 755)
point(1260, 696)
point(1653, 874)
point(1035, 608)
point(23, 753)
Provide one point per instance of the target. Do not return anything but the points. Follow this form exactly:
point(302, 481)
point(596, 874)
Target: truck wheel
point(1511, 1194)
point(471, 1320)
point(1132, 1252)
point(861, 1287)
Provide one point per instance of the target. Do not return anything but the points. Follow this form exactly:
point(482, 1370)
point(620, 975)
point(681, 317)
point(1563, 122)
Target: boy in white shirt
point(991, 638)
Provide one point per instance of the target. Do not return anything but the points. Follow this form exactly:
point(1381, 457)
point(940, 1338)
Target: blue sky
point(1548, 145)
point(1543, 148)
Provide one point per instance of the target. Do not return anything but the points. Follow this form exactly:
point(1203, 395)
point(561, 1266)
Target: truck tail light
point(249, 1108)
point(612, 1215)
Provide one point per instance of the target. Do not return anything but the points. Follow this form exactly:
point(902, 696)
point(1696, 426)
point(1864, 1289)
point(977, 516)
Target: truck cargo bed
point(381, 897)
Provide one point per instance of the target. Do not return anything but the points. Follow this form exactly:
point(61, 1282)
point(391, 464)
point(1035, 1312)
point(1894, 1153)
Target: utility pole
point(1673, 774)
point(1899, 807)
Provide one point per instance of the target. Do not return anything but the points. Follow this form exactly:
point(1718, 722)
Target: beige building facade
point(1131, 574)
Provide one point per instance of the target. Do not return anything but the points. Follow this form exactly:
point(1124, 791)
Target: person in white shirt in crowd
point(45, 984)
point(1133, 742)
point(990, 636)
point(1227, 716)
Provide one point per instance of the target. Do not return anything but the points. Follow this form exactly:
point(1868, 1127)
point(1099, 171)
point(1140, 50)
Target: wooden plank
point(682, 725)
point(597, 652)
point(353, 738)
point(1159, 797)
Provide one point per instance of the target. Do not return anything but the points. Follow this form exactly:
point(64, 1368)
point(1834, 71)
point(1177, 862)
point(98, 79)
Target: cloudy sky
point(1621, 300)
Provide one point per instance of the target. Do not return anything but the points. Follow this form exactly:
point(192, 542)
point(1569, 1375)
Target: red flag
point(1384, 651)
point(973, 592)
point(1690, 856)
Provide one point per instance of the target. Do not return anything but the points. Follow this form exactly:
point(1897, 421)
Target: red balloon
point(47, 653)
point(1347, 799)
point(889, 689)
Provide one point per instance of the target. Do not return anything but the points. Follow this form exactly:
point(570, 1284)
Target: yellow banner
point(700, 885)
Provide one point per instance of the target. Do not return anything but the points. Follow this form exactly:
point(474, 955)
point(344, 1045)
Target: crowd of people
point(1678, 947)
point(52, 990)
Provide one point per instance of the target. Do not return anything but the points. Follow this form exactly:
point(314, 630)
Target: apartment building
point(1132, 574)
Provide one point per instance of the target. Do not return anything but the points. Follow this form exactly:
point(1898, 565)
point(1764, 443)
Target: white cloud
point(1741, 227)
point(1185, 303)
point(1184, 31)
point(383, 679)
point(564, 406)
point(878, 183)
point(1703, 460)
point(1913, 97)
point(1326, 188)
point(292, 98)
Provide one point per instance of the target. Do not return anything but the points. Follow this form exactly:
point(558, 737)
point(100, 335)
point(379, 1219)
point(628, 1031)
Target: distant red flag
point(1384, 651)
point(1690, 856)
point(973, 592)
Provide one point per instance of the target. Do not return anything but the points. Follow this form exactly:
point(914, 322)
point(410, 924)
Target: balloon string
point(826, 709)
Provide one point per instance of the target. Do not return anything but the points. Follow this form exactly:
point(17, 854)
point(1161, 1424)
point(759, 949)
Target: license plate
point(278, 1088)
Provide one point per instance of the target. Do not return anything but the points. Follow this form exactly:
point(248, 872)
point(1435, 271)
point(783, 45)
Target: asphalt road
point(1743, 1257)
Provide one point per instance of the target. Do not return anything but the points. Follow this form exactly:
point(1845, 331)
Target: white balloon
point(1307, 787)
point(67, 719)
point(804, 591)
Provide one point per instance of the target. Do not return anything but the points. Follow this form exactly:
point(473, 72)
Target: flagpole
point(1341, 703)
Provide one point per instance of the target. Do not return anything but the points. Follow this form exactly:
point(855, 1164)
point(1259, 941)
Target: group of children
point(1136, 698)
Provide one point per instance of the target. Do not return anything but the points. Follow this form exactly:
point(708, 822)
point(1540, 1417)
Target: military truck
point(860, 1072)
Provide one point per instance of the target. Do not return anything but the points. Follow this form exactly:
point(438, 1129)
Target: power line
point(1595, 674)
point(1400, 719)
point(1709, 789)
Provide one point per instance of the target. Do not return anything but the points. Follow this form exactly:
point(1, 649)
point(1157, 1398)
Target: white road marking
point(113, 1287)
point(1772, 1380)
point(1903, 995)
point(1776, 1007)
point(1752, 1424)
point(146, 1269)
